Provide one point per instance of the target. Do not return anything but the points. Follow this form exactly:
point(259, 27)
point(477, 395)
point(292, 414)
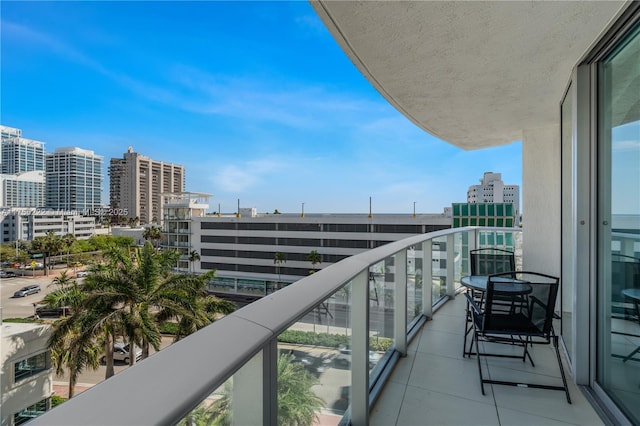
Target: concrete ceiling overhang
point(472, 73)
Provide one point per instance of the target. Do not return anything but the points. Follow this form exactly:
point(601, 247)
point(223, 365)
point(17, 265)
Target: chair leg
point(466, 332)
point(564, 379)
point(475, 339)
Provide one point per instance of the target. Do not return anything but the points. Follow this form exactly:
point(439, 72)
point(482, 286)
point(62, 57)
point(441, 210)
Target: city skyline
point(255, 100)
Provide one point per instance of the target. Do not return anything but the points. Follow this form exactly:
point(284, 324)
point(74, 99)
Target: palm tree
point(67, 242)
point(72, 347)
point(194, 256)
point(153, 233)
point(298, 405)
point(63, 280)
point(145, 292)
point(279, 258)
point(314, 258)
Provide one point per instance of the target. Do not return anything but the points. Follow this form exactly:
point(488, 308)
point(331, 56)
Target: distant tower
point(493, 190)
point(20, 155)
point(137, 182)
point(22, 181)
point(73, 179)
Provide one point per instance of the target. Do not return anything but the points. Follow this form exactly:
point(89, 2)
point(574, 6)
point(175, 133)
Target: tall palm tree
point(279, 258)
point(153, 233)
point(194, 256)
point(71, 346)
point(67, 242)
point(72, 349)
point(146, 289)
point(314, 258)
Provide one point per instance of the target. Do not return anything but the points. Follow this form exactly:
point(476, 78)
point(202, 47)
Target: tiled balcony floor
point(436, 385)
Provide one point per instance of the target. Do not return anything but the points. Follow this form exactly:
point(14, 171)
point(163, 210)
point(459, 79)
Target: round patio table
point(508, 285)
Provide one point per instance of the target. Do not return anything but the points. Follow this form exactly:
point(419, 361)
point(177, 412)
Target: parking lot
point(23, 306)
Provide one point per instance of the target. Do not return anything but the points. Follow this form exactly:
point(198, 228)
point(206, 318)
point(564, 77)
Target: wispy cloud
point(626, 145)
point(241, 176)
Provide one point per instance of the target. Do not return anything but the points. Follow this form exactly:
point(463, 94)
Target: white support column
point(400, 308)
point(451, 287)
point(247, 393)
point(360, 349)
point(427, 278)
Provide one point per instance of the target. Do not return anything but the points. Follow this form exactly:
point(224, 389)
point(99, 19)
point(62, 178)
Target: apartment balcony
point(404, 366)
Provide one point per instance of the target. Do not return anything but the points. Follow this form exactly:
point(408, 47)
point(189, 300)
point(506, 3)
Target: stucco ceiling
point(476, 73)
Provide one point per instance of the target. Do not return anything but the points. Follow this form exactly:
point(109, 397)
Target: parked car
point(344, 357)
point(121, 353)
point(82, 274)
point(50, 311)
point(7, 274)
point(27, 290)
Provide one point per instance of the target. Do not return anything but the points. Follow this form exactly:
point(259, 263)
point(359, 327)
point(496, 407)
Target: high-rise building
point(493, 190)
point(20, 154)
point(137, 182)
point(22, 189)
point(22, 181)
point(73, 180)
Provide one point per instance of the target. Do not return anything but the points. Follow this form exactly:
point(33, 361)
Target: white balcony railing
point(374, 297)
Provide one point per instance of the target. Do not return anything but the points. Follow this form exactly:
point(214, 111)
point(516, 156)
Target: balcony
point(386, 350)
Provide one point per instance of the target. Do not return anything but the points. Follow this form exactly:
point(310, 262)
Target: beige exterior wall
point(21, 341)
point(142, 182)
point(541, 200)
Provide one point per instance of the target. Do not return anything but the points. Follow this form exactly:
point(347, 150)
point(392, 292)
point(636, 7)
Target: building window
point(30, 412)
point(31, 366)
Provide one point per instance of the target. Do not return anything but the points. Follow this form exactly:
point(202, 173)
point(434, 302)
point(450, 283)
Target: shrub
point(57, 400)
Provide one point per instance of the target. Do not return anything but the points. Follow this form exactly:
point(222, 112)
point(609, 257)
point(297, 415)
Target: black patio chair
point(489, 260)
point(529, 323)
point(486, 261)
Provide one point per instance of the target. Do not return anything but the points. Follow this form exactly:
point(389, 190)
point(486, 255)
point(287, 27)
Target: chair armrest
point(473, 304)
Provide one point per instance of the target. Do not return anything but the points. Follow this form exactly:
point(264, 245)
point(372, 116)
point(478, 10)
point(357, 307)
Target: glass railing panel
point(414, 283)
point(438, 269)
point(458, 250)
point(314, 364)
point(216, 409)
point(382, 292)
point(503, 239)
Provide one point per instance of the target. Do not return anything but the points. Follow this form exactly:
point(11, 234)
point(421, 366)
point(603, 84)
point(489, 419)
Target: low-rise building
point(29, 223)
point(27, 383)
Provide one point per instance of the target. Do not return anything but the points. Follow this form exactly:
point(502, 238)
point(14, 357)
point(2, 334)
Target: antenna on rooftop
point(370, 214)
point(238, 213)
point(302, 215)
point(219, 211)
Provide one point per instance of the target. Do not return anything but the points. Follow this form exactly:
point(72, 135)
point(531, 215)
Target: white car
point(121, 353)
point(344, 357)
point(82, 274)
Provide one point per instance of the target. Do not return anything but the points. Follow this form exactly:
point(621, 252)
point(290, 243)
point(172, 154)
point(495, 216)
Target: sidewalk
point(62, 388)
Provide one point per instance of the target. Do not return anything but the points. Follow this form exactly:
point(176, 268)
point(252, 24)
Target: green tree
point(67, 241)
point(72, 346)
point(194, 256)
point(63, 280)
point(146, 292)
point(153, 233)
point(314, 258)
point(298, 405)
point(279, 258)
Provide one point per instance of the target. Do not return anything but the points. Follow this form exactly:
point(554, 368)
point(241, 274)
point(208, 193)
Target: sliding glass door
point(618, 224)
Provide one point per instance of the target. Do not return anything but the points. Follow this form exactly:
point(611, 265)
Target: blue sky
point(255, 99)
